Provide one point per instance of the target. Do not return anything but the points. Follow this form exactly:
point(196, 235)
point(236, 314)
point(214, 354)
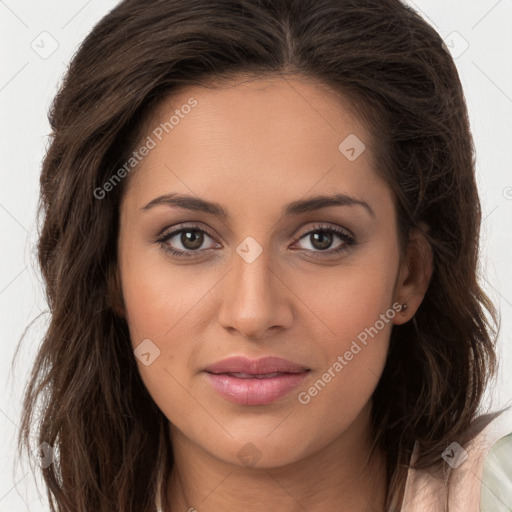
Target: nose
point(256, 299)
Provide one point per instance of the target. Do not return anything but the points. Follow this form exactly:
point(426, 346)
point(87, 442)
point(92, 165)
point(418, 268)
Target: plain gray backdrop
point(38, 39)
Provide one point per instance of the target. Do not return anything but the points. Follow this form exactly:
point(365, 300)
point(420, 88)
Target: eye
point(185, 241)
point(320, 239)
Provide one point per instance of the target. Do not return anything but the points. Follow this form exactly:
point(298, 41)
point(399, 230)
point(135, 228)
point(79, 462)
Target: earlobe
point(414, 277)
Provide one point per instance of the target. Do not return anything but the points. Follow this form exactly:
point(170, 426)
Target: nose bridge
point(251, 302)
point(252, 272)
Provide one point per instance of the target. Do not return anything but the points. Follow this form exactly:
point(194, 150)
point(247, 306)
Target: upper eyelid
point(173, 231)
point(320, 227)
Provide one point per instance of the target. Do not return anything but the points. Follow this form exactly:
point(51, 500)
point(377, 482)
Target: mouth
point(245, 366)
point(254, 375)
point(255, 382)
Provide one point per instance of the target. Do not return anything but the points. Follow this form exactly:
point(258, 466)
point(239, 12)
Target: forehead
point(264, 112)
point(258, 139)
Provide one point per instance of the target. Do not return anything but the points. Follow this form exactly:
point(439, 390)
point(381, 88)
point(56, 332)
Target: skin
point(253, 147)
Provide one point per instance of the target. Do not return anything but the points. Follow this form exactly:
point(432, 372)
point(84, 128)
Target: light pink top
point(457, 487)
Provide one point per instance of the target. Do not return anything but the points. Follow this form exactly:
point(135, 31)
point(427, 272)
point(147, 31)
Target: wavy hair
point(85, 396)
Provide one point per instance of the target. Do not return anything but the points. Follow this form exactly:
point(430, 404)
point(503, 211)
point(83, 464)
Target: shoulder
point(469, 487)
point(496, 489)
point(458, 486)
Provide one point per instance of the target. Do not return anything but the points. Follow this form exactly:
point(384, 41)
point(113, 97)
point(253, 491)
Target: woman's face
point(267, 270)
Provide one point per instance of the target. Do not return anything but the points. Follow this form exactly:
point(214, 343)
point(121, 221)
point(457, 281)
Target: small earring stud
point(403, 308)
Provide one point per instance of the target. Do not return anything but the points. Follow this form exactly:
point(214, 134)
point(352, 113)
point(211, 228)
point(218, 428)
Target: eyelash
point(344, 234)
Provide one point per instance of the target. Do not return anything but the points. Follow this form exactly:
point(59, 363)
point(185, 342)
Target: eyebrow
point(291, 209)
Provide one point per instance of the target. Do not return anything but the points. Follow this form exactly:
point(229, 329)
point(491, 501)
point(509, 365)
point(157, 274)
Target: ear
point(414, 276)
point(115, 292)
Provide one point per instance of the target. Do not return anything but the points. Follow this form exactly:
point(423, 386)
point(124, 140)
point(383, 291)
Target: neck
point(340, 476)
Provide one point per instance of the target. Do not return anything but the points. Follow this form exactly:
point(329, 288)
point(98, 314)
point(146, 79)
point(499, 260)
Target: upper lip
point(265, 365)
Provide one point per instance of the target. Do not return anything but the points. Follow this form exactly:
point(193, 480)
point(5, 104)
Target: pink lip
point(241, 364)
point(243, 389)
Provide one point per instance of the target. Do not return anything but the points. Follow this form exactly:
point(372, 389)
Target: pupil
point(327, 239)
point(191, 239)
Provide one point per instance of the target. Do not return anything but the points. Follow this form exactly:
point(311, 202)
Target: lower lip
point(255, 391)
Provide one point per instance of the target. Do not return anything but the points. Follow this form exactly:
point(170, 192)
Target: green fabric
point(496, 492)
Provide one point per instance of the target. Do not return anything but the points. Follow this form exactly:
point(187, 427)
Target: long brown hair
point(111, 446)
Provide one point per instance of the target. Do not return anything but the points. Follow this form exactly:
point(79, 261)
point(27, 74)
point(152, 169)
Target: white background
point(479, 35)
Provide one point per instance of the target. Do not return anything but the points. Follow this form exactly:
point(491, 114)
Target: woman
point(260, 244)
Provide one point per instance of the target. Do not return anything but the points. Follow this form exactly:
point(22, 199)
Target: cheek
point(160, 305)
point(356, 313)
point(158, 298)
point(351, 297)
point(166, 305)
point(355, 357)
